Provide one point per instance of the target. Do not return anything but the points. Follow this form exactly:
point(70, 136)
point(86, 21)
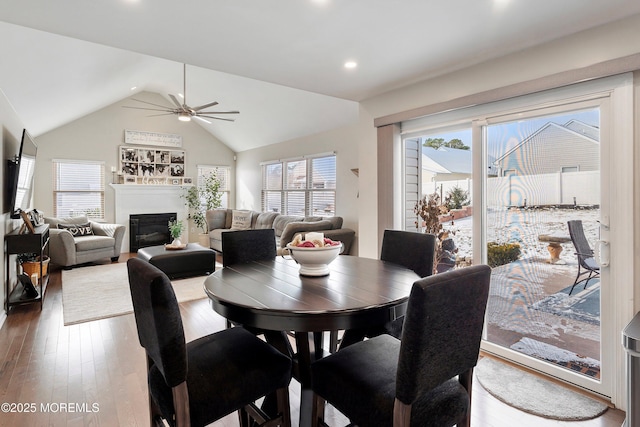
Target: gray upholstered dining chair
point(384, 381)
point(197, 383)
point(248, 245)
point(412, 250)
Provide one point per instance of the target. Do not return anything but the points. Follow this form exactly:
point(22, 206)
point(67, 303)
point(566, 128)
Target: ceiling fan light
point(184, 117)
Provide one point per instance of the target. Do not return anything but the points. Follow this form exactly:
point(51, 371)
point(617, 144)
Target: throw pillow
point(78, 230)
point(241, 220)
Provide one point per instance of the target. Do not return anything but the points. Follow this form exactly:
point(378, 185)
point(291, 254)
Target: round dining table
point(272, 297)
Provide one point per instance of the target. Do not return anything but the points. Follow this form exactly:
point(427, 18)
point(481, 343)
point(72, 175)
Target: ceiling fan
point(182, 110)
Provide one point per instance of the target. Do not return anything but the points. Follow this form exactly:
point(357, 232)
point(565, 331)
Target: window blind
point(78, 188)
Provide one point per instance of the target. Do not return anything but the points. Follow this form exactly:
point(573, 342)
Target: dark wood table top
point(273, 295)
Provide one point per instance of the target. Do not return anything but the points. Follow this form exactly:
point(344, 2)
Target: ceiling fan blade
point(175, 101)
point(218, 112)
point(149, 109)
point(211, 104)
point(151, 103)
point(216, 118)
point(201, 119)
point(164, 114)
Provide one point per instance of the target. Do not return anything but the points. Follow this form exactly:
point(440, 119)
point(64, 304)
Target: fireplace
point(149, 230)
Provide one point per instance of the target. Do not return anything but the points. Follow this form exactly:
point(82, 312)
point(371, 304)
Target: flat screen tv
point(20, 176)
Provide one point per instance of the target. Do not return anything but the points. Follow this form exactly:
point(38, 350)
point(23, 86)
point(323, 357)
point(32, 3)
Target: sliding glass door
point(526, 168)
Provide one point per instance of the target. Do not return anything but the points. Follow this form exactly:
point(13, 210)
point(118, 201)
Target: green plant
point(175, 229)
point(201, 198)
point(502, 253)
point(456, 198)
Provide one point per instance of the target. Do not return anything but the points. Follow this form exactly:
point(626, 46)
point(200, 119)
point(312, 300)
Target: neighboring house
point(572, 147)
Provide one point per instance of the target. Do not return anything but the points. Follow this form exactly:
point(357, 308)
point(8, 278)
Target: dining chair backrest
point(248, 245)
point(158, 320)
point(442, 329)
point(409, 249)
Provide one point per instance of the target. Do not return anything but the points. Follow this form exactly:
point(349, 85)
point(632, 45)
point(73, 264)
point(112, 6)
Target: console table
point(16, 243)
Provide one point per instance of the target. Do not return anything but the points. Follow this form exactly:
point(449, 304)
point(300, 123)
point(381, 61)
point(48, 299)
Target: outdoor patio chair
point(586, 262)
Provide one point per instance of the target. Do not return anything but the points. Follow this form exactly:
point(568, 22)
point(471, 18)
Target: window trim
point(308, 190)
point(101, 190)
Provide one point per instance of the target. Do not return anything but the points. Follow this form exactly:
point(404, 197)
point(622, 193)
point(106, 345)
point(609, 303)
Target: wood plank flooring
point(93, 374)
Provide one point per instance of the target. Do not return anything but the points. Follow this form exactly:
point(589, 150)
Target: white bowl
point(314, 261)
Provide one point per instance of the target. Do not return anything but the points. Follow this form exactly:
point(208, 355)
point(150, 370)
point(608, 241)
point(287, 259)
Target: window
point(224, 175)
point(302, 186)
point(78, 188)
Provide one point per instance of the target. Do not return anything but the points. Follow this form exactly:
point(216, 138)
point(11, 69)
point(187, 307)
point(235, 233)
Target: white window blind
point(223, 173)
point(302, 186)
point(78, 188)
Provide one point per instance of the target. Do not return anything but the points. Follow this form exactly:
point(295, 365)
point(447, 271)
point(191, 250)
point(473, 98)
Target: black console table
point(21, 243)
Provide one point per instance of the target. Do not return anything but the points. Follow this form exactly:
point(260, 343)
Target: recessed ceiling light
point(350, 64)
point(134, 88)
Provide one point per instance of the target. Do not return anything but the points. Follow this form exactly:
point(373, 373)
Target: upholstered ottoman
point(194, 260)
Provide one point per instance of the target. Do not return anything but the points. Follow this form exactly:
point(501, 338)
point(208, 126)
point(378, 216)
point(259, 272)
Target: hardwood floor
point(93, 374)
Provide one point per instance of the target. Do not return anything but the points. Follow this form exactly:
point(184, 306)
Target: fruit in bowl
point(314, 256)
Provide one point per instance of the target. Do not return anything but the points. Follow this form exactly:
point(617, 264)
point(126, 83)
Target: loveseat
point(78, 240)
point(286, 226)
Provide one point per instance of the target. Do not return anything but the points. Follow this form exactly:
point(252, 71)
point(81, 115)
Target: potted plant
point(200, 199)
point(175, 229)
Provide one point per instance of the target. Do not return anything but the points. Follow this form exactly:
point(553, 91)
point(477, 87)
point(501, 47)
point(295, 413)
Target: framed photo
point(27, 221)
point(176, 181)
point(151, 163)
point(130, 179)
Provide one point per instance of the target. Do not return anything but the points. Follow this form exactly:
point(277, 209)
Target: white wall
point(97, 136)
point(10, 139)
point(344, 141)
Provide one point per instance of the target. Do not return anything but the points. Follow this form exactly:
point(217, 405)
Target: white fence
point(568, 188)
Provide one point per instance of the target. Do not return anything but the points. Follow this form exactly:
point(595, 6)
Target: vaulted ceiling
point(280, 62)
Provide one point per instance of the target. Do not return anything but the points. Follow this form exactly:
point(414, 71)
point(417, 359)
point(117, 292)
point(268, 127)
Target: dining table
point(271, 297)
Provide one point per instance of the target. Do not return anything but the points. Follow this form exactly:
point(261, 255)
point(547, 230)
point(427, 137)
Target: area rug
point(581, 364)
point(582, 304)
point(534, 394)
point(98, 292)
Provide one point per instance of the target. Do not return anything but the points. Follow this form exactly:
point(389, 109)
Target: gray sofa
point(67, 250)
point(285, 226)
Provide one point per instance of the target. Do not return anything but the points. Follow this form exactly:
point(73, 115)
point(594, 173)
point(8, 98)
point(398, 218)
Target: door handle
point(602, 253)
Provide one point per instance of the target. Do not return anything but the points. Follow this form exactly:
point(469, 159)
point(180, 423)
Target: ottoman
point(194, 260)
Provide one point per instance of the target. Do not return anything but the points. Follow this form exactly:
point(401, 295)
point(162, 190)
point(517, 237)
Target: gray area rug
point(101, 291)
point(534, 394)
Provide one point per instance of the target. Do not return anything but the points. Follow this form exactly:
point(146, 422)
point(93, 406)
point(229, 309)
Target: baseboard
point(3, 317)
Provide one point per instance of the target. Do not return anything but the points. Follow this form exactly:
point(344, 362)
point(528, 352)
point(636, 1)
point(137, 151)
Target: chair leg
point(284, 407)
point(317, 411)
point(466, 379)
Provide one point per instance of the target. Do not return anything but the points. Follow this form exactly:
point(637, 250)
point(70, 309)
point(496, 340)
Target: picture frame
point(130, 179)
point(27, 221)
point(151, 163)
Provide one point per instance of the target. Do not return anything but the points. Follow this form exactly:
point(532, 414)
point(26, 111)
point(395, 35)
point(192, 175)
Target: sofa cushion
point(336, 222)
point(53, 222)
point(77, 230)
point(265, 220)
point(281, 222)
point(241, 220)
point(89, 243)
point(312, 218)
point(216, 218)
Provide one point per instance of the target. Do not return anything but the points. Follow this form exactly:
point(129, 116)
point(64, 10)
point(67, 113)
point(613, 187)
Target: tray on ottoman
point(193, 260)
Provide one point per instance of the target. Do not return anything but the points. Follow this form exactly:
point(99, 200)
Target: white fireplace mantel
point(146, 199)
